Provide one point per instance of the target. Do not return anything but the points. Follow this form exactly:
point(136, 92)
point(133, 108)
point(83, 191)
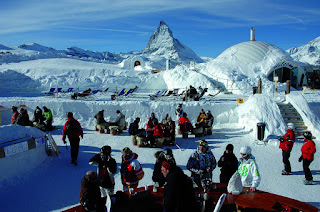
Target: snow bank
point(301, 105)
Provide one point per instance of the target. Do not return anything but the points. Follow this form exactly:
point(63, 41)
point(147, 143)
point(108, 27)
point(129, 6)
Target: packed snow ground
point(54, 183)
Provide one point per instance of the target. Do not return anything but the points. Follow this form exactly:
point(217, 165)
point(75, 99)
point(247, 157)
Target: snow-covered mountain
point(308, 53)
point(162, 43)
point(36, 51)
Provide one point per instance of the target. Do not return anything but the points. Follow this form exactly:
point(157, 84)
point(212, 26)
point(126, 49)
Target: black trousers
point(74, 143)
point(307, 173)
point(286, 162)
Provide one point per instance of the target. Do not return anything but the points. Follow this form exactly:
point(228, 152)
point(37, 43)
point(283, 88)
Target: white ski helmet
point(245, 150)
point(290, 126)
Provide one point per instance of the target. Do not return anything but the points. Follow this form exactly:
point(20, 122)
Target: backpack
point(72, 128)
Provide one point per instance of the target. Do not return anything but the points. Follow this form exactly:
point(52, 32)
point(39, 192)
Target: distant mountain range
point(162, 44)
point(308, 53)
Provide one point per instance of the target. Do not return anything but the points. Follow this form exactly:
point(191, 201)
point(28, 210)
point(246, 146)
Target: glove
point(82, 136)
point(300, 159)
point(281, 139)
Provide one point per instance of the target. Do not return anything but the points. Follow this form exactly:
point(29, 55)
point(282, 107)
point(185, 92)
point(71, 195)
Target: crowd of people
point(41, 119)
point(178, 187)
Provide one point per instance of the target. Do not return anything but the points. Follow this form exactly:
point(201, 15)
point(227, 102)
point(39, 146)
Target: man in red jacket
point(308, 149)
point(286, 144)
point(73, 130)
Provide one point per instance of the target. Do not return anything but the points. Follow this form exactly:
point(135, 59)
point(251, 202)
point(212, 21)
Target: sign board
point(276, 78)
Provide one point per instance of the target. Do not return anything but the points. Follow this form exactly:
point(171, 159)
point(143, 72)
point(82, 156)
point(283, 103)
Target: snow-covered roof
point(254, 52)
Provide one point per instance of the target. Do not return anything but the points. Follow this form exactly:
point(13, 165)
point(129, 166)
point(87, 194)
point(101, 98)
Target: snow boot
point(308, 182)
point(284, 172)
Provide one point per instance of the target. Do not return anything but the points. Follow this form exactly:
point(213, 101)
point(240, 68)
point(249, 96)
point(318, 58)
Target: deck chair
point(51, 91)
point(135, 89)
point(69, 90)
point(95, 91)
point(128, 92)
point(123, 91)
point(153, 96)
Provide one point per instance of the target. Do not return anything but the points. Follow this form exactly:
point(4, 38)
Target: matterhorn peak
point(162, 43)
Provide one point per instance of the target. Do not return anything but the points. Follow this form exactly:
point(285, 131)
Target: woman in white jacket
point(248, 169)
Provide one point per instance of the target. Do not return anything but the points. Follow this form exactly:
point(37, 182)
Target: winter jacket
point(185, 124)
point(90, 196)
point(48, 114)
point(210, 119)
point(158, 131)
point(150, 124)
point(23, 119)
point(106, 170)
point(120, 120)
point(202, 118)
point(64, 132)
point(157, 175)
point(100, 118)
point(248, 170)
point(14, 117)
point(178, 194)
point(169, 129)
point(308, 149)
point(131, 172)
point(201, 161)
point(229, 165)
point(134, 128)
point(288, 140)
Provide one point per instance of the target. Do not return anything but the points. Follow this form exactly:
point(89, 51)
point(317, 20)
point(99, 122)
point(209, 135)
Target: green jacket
point(48, 114)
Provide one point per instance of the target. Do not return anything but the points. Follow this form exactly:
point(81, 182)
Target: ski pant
point(307, 173)
point(74, 143)
point(286, 162)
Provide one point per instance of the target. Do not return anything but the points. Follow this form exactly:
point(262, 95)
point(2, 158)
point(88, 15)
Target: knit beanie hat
point(229, 147)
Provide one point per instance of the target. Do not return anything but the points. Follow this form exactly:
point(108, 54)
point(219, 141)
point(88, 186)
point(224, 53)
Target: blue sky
point(206, 26)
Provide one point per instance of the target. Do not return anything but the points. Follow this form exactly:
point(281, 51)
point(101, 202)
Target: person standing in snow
point(201, 163)
point(179, 111)
point(49, 118)
point(161, 156)
point(185, 124)
point(107, 167)
point(248, 169)
point(15, 115)
point(90, 195)
point(228, 163)
point(178, 193)
point(286, 144)
point(131, 170)
point(73, 130)
point(308, 150)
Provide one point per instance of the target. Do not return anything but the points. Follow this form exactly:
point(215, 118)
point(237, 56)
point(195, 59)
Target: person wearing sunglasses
point(106, 169)
point(201, 163)
point(248, 169)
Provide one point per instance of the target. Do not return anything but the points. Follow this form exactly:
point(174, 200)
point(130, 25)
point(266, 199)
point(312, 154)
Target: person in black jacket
point(178, 195)
point(90, 195)
point(107, 167)
point(228, 163)
point(157, 175)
